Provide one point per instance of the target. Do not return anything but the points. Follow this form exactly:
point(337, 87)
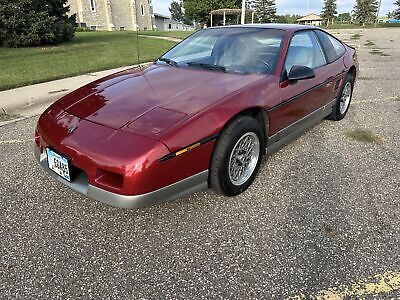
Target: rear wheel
point(237, 156)
point(343, 99)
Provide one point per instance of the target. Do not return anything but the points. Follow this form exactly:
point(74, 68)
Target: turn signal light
point(110, 179)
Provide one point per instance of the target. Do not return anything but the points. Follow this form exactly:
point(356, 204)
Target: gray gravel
point(323, 212)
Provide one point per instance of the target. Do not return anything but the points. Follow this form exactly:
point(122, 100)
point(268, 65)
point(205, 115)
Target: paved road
point(321, 221)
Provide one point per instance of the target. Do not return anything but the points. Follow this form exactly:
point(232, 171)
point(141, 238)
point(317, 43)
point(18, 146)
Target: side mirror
point(300, 73)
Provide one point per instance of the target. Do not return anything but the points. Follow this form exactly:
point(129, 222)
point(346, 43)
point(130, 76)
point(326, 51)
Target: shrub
point(26, 23)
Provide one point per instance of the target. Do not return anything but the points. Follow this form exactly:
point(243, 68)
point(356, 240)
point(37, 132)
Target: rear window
point(332, 47)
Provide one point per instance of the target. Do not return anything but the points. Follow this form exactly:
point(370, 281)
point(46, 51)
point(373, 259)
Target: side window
point(337, 46)
point(333, 48)
point(304, 50)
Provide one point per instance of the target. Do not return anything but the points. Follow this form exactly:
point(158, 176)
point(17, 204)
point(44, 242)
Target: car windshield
point(234, 49)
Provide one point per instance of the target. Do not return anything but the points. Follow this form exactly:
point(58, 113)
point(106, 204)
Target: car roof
point(286, 27)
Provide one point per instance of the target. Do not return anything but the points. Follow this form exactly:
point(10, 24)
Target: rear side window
point(332, 47)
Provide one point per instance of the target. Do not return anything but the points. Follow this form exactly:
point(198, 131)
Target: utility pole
point(377, 12)
point(242, 21)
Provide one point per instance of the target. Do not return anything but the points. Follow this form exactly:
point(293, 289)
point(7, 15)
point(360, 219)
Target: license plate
point(58, 164)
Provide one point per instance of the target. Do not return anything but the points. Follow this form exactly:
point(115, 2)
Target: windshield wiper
point(207, 66)
point(168, 61)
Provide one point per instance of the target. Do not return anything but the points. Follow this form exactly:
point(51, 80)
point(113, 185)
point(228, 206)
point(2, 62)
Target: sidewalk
point(32, 100)
point(167, 38)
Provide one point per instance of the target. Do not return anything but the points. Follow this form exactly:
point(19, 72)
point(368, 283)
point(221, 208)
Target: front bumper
point(176, 190)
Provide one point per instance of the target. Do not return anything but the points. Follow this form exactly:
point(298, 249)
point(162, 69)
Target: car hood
point(152, 100)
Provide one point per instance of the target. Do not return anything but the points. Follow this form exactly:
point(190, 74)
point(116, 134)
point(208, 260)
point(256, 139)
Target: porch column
point(224, 19)
point(243, 16)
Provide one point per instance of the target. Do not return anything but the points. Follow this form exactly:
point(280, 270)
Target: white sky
point(298, 7)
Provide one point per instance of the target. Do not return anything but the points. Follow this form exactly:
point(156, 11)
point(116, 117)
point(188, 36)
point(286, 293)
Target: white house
point(311, 19)
point(165, 23)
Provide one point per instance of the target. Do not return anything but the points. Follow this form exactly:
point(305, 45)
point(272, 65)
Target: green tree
point(396, 12)
point(25, 23)
point(329, 11)
point(344, 18)
point(365, 11)
point(176, 11)
point(289, 19)
point(281, 19)
point(199, 10)
point(292, 19)
point(265, 10)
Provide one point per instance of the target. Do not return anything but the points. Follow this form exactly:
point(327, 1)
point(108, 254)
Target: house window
point(93, 5)
point(122, 28)
point(169, 26)
point(142, 9)
point(93, 28)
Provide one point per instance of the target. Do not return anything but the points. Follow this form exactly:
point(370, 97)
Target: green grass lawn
point(175, 34)
point(87, 52)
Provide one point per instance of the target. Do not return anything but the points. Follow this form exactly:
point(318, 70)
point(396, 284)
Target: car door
point(299, 99)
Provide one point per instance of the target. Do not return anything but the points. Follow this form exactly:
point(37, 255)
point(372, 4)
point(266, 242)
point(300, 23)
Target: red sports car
point(203, 115)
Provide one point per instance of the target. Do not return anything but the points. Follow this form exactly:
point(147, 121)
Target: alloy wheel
point(244, 158)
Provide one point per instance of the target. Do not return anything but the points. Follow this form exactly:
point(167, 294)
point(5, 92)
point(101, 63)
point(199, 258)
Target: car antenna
point(137, 46)
point(138, 58)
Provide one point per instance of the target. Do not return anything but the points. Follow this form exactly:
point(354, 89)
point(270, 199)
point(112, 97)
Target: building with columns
point(113, 14)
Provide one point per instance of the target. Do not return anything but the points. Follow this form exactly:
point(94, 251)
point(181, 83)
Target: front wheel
point(343, 99)
point(237, 156)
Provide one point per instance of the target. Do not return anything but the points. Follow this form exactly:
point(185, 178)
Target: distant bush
point(390, 25)
point(83, 29)
point(354, 26)
point(26, 23)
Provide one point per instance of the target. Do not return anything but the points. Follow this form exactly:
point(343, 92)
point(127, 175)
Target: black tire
point(219, 178)
point(336, 114)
